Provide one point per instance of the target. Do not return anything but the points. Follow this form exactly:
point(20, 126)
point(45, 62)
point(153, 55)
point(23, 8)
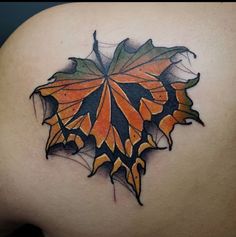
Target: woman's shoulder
point(182, 189)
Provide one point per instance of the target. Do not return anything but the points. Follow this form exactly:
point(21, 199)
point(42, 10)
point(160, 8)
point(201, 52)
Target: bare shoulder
point(188, 191)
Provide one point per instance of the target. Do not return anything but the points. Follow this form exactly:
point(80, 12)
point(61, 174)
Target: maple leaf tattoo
point(113, 103)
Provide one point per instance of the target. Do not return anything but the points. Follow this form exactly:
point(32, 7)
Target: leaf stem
point(96, 51)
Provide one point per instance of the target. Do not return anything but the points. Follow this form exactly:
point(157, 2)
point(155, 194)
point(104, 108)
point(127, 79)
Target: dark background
point(13, 14)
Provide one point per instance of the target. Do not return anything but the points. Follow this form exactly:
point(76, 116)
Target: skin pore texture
point(187, 192)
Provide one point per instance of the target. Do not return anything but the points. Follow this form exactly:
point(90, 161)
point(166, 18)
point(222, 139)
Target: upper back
point(188, 191)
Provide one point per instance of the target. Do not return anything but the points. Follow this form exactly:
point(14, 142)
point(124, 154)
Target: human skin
point(187, 192)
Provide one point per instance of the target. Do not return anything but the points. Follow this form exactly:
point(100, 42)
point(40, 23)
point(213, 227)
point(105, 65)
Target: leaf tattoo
point(113, 103)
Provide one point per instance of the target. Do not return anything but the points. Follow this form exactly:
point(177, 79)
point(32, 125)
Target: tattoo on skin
point(111, 105)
